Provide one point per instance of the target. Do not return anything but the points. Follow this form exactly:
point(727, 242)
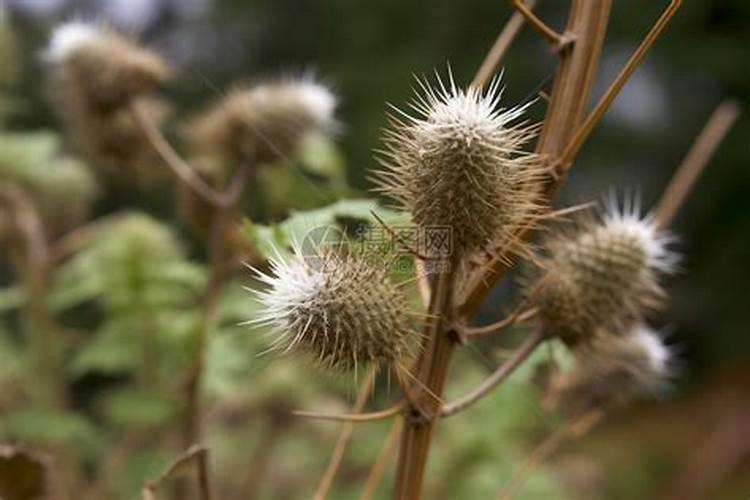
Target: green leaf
point(11, 298)
point(51, 427)
point(134, 408)
point(112, 350)
point(345, 216)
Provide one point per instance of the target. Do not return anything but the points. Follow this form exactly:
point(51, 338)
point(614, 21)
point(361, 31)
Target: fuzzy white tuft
point(68, 38)
point(653, 348)
point(625, 218)
point(336, 306)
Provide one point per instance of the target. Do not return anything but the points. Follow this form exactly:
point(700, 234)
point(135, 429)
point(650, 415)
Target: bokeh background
point(369, 52)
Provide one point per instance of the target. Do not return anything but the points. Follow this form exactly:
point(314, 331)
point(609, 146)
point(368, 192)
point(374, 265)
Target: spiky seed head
point(101, 67)
point(612, 370)
point(458, 161)
point(265, 122)
point(603, 275)
point(337, 307)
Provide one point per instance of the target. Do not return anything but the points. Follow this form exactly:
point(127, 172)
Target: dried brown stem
point(499, 48)
point(570, 92)
point(377, 471)
point(695, 161)
point(571, 150)
point(528, 346)
point(324, 486)
point(197, 454)
point(548, 33)
point(181, 169)
point(353, 417)
point(573, 430)
point(519, 315)
point(432, 370)
point(34, 267)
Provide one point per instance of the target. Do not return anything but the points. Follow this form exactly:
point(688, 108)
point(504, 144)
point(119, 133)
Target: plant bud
point(337, 307)
point(263, 123)
point(612, 370)
point(604, 275)
point(458, 162)
point(100, 67)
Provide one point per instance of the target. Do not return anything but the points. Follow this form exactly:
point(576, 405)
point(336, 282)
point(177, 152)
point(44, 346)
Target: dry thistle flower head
point(100, 67)
point(265, 122)
point(336, 306)
point(603, 275)
point(612, 370)
point(458, 162)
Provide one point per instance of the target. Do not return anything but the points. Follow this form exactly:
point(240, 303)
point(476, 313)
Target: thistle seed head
point(100, 67)
point(604, 275)
point(265, 122)
point(337, 307)
point(613, 370)
point(458, 162)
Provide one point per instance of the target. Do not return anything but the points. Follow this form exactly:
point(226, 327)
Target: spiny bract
point(614, 369)
point(458, 162)
point(605, 275)
point(336, 306)
point(265, 122)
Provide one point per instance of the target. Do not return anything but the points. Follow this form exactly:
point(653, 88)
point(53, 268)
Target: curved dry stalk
point(499, 48)
point(695, 161)
point(540, 26)
point(571, 150)
point(574, 78)
point(198, 454)
point(324, 486)
point(377, 471)
point(573, 430)
point(503, 372)
point(353, 417)
point(182, 169)
point(519, 315)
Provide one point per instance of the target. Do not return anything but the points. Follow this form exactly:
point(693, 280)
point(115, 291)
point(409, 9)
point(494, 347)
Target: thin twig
point(571, 150)
point(324, 486)
point(196, 453)
point(353, 417)
point(695, 161)
point(519, 315)
point(377, 471)
point(503, 372)
point(182, 169)
point(499, 48)
point(573, 430)
point(548, 33)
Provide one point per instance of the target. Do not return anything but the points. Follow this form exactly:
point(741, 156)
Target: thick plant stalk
point(432, 369)
point(588, 22)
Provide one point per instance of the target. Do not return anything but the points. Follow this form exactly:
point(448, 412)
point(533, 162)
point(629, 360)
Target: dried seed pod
point(603, 275)
point(612, 370)
point(336, 306)
point(95, 73)
point(458, 162)
point(263, 123)
point(100, 67)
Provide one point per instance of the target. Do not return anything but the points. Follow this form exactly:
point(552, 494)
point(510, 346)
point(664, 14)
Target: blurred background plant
point(96, 334)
